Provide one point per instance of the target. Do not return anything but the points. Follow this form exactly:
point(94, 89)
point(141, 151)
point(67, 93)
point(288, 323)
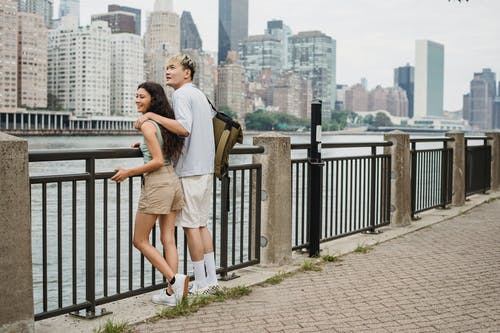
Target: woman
point(161, 193)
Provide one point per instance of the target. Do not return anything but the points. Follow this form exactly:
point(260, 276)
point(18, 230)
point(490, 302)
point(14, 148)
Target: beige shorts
point(198, 199)
point(161, 192)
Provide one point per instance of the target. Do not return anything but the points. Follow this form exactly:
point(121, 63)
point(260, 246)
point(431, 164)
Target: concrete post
point(458, 146)
point(16, 278)
point(495, 159)
point(276, 208)
point(400, 177)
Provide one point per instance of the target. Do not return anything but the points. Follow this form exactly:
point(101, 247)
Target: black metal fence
point(477, 165)
point(431, 174)
point(355, 192)
point(82, 227)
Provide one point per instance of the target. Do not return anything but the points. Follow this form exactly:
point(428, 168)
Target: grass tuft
point(190, 305)
point(112, 327)
point(362, 249)
point(310, 265)
point(330, 258)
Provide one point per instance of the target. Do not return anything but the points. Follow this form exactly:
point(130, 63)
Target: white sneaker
point(180, 287)
point(163, 299)
point(211, 289)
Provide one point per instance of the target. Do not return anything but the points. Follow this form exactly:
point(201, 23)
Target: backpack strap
point(220, 150)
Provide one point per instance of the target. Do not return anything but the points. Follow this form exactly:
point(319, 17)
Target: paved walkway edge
point(139, 308)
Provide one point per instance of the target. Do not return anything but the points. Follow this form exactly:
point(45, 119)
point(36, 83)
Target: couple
point(183, 136)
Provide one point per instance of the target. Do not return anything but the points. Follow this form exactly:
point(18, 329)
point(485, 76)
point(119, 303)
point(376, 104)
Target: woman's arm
point(149, 133)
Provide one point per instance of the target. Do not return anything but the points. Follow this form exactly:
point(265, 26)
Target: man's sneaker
point(163, 299)
point(214, 288)
point(211, 289)
point(180, 287)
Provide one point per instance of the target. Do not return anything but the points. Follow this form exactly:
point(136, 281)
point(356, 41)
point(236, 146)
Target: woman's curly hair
point(172, 143)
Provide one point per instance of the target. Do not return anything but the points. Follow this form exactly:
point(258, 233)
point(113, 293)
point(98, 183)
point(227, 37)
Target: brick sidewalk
point(443, 278)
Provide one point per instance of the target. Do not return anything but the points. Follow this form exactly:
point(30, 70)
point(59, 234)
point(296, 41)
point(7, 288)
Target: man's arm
point(171, 125)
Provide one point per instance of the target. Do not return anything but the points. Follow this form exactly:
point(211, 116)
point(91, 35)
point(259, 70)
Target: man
point(195, 167)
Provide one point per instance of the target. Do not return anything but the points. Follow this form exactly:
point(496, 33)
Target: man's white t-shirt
point(193, 112)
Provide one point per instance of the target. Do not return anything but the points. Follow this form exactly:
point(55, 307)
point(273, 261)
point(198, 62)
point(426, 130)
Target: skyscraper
point(233, 26)
point(118, 21)
point(135, 11)
point(161, 40)
point(79, 70)
point(190, 38)
point(8, 55)
point(429, 79)
point(69, 8)
point(281, 32)
point(32, 61)
point(259, 52)
point(231, 79)
point(43, 8)
point(404, 77)
point(482, 98)
point(313, 55)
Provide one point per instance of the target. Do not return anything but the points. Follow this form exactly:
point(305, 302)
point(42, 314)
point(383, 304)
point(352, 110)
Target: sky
point(373, 37)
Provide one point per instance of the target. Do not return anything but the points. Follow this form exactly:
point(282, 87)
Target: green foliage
point(276, 279)
point(261, 120)
point(381, 119)
point(330, 258)
point(310, 265)
point(111, 327)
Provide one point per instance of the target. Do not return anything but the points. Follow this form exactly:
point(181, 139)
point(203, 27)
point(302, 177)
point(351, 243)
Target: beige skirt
point(161, 192)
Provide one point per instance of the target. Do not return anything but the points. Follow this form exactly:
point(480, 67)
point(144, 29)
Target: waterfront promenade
point(439, 274)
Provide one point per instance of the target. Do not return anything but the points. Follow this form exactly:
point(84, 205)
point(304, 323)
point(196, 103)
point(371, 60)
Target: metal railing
point(477, 165)
point(431, 174)
point(355, 192)
point(82, 227)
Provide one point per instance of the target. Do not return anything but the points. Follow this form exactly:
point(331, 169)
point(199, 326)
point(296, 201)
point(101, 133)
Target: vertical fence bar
point(224, 226)
point(90, 236)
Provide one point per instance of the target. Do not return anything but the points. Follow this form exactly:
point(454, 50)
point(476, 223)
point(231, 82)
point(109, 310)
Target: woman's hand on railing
point(135, 145)
point(120, 175)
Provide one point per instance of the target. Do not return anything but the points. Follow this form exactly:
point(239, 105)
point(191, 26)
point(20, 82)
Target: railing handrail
point(344, 145)
point(48, 155)
point(478, 137)
point(432, 139)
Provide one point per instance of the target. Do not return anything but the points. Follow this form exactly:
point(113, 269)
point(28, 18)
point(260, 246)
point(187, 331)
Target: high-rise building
point(69, 8)
point(258, 52)
point(127, 71)
point(482, 98)
point(429, 79)
point(292, 94)
point(231, 85)
point(32, 61)
point(356, 98)
point(79, 70)
point(496, 113)
point(44, 8)
point(161, 41)
point(8, 55)
point(377, 99)
point(281, 32)
point(233, 26)
point(135, 11)
point(118, 21)
point(397, 102)
point(404, 77)
point(313, 55)
point(466, 106)
point(190, 38)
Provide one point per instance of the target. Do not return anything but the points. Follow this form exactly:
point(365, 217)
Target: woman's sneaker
point(180, 287)
point(164, 299)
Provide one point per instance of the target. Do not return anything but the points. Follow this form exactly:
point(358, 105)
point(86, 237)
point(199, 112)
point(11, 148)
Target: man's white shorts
point(197, 201)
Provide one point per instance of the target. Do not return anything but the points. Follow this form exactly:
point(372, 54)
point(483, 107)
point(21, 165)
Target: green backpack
point(227, 132)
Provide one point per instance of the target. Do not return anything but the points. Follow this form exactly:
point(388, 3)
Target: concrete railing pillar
point(276, 206)
point(400, 177)
point(495, 159)
point(458, 146)
point(16, 278)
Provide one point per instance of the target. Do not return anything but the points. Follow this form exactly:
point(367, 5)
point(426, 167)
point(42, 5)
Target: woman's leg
point(143, 225)
point(167, 236)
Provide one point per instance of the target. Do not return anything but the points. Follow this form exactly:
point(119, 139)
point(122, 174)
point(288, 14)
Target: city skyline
point(373, 38)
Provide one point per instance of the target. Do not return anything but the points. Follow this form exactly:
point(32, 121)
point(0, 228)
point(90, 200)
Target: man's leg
point(208, 255)
point(196, 251)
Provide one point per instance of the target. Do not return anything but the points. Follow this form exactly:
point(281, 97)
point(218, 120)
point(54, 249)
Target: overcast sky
point(373, 37)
